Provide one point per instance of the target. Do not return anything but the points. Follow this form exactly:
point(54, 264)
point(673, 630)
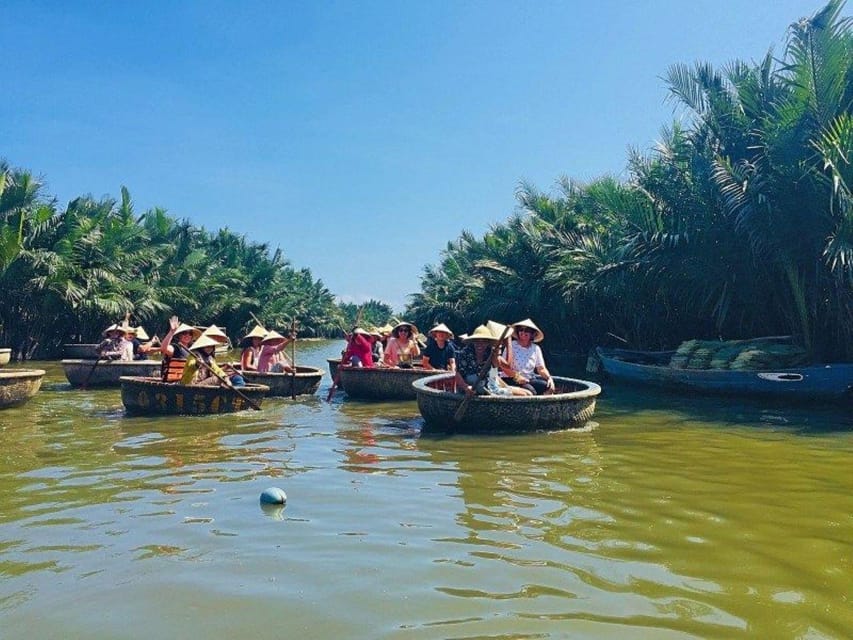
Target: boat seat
point(172, 369)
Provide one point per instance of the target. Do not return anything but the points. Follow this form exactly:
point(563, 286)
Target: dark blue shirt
point(439, 358)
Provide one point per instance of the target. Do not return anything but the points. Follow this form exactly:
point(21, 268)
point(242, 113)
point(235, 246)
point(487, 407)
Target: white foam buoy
point(273, 495)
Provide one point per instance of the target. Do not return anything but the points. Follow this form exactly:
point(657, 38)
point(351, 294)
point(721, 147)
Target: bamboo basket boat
point(381, 383)
point(571, 406)
point(305, 381)
point(5, 356)
point(19, 385)
point(107, 373)
point(151, 396)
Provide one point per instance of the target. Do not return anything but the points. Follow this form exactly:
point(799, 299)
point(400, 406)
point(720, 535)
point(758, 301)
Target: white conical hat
point(216, 333)
point(441, 327)
point(202, 342)
point(538, 336)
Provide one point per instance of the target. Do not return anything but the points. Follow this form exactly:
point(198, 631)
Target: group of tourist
point(125, 343)
point(191, 352)
point(494, 359)
point(263, 351)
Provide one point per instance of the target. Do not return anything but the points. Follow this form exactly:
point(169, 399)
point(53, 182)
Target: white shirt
point(526, 360)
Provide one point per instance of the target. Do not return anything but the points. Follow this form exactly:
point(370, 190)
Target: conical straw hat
point(216, 333)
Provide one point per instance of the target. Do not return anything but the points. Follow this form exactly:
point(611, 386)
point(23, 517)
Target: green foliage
point(67, 274)
point(739, 223)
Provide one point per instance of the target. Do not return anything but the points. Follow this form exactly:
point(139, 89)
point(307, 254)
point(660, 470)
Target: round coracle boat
point(80, 351)
point(381, 383)
point(571, 406)
point(107, 373)
point(19, 385)
point(305, 381)
point(5, 356)
point(151, 396)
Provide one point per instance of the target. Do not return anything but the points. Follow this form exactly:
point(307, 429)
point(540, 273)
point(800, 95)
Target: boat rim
point(590, 390)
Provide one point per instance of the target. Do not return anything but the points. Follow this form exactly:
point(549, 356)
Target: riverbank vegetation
point(738, 224)
point(65, 275)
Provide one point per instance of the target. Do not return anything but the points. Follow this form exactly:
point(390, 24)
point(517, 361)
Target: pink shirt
point(395, 347)
point(270, 354)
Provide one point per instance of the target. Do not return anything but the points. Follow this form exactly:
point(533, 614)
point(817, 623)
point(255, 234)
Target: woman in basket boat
point(359, 351)
point(202, 368)
point(272, 358)
point(176, 343)
point(439, 352)
point(402, 346)
point(527, 368)
point(140, 344)
point(114, 346)
point(481, 353)
point(252, 348)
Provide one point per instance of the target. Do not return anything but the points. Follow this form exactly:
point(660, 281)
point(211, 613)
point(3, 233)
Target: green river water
point(666, 518)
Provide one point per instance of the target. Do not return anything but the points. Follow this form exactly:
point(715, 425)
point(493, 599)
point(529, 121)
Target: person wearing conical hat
point(272, 358)
point(359, 351)
point(527, 362)
point(252, 348)
point(402, 348)
point(377, 346)
point(477, 366)
point(216, 333)
point(439, 352)
point(202, 368)
point(177, 341)
point(113, 346)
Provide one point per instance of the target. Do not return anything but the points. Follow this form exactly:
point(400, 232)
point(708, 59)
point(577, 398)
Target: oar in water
point(293, 360)
point(335, 382)
point(91, 371)
point(228, 384)
point(98, 360)
point(481, 374)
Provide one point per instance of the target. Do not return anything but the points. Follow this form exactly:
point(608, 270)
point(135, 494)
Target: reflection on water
point(670, 518)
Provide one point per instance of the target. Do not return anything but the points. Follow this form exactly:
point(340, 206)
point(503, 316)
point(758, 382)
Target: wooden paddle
point(98, 360)
point(293, 359)
point(92, 370)
point(227, 383)
point(481, 374)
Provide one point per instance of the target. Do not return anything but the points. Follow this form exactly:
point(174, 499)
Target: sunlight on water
point(667, 518)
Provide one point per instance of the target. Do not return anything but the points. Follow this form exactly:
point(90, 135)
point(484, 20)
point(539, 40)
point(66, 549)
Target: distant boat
point(815, 382)
point(571, 406)
point(150, 396)
point(305, 381)
point(19, 385)
point(106, 373)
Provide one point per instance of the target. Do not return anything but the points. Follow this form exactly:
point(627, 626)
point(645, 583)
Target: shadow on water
point(619, 399)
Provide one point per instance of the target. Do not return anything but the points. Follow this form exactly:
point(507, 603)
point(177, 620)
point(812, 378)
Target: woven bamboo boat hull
point(381, 383)
point(108, 373)
point(18, 386)
point(80, 351)
point(306, 381)
point(833, 382)
point(572, 406)
point(150, 396)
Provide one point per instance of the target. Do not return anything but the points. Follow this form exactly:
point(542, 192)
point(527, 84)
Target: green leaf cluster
point(738, 224)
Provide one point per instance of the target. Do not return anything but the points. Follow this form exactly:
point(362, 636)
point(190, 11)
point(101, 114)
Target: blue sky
point(360, 137)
